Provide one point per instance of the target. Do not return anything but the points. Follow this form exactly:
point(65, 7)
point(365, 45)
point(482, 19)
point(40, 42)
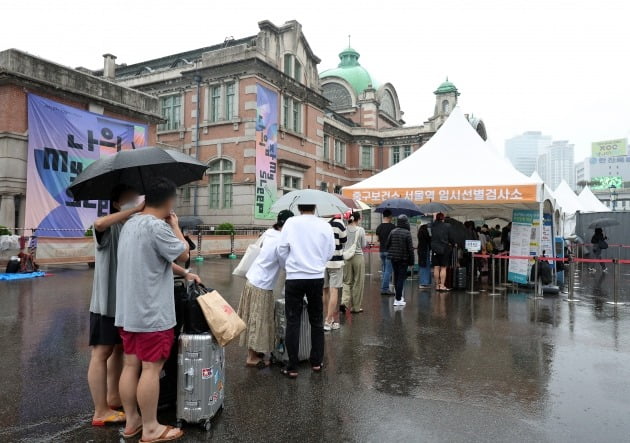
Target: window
point(406, 151)
point(297, 116)
point(326, 147)
point(171, 111)
point(323, 186)
point(220, 174)
point(446, 106)
point(215, 97)
point(366, 157)
point(185, 193)
point(285, 112)
point(395, 154)
point(291, 183)
point(297, 71)
point(337, 189)
point(288, 64)
point(340, 152)
point(229, 101)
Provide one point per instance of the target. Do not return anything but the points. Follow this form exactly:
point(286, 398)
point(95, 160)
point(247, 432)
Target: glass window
point(446, 106)
point(171, 111)
point(285, 112)
point(297, 116)
point(366, 157)
point(288, 65)
point(323, 186)
point(326, 147)
point(291, 182)
point(229, 101)
point(215, 97)
point(297, 72)
point(337, 189)
point(220, 174)
point(395, 154)
point(340, 152)
point(407, 151)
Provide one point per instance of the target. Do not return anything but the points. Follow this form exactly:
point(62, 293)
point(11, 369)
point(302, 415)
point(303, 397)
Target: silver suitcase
point(279, 353)
point(200, 379)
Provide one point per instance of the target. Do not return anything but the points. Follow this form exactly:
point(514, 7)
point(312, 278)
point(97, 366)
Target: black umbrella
point(135, 168)
point(603, 223)
point(434, 208)
point(458, 233)
point(189, 221)
point(399, 206)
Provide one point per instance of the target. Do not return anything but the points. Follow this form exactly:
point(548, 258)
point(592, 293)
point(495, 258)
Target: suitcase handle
point(188, 376)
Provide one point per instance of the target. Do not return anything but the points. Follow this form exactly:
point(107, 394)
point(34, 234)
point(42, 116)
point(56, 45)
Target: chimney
point(109, 66)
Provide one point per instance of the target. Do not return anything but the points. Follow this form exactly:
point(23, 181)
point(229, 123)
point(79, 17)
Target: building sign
point(605, 183)
point(62, 142)
point(471, 195)
point(522, 238)
point(266, 152)
point(610, 148)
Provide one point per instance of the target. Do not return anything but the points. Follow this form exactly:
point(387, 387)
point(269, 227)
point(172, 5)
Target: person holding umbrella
point(400, 250)
point(599, 242)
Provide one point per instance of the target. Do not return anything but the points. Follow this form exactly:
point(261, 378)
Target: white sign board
point(473, 245)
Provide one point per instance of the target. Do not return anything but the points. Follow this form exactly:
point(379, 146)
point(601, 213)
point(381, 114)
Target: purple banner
point(62, 142)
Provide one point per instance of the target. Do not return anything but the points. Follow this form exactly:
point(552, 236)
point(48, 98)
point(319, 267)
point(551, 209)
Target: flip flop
point(289, 373)
point(164, 436)
point(317, 368)
point(133, 434)
point(116, 418)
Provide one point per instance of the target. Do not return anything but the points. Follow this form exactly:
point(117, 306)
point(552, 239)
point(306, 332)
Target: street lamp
point(613, 197)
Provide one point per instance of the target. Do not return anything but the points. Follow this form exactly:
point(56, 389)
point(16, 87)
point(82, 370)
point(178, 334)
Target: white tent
point(455, 167)
point(569, 206)
point(590, 203)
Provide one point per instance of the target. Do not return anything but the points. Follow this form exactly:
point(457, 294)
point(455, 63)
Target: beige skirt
point(256, 308)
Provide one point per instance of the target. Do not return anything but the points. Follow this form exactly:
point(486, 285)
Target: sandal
point(132, 434)
point(357, 312)
point(318, 368)
point(291, 373)
point(164, 436)
point(116, 418)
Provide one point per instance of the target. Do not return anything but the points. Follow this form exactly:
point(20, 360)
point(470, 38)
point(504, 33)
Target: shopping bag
point(224, 322)
point(251, 253)
point(194, 319)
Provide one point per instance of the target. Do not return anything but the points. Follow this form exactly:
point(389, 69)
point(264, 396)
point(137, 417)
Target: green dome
point(446, 88)
point(351, 71)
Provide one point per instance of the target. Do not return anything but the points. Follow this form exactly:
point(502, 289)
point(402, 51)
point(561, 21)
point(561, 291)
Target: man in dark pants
point(306, 244)
point(382, 232)
point(400, 247)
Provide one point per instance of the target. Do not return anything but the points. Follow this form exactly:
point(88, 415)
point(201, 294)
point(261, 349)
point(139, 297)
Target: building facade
point(523, 150)
point(21, 74)
point(335, 128)
point(557, 163)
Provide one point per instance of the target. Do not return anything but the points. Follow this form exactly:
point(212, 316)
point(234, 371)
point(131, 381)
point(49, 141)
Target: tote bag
point(251, 254)
point(349, 253)
point(224, 323)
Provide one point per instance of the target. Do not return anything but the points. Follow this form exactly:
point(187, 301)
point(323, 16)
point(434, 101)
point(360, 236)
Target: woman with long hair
point(354, 268)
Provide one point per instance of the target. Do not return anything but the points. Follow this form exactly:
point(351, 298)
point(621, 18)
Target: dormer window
point(292, 67)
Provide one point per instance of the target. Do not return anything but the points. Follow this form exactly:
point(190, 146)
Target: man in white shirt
point(307, 243)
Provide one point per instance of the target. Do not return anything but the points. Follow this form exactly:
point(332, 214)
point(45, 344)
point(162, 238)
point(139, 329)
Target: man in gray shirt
point(145, 307)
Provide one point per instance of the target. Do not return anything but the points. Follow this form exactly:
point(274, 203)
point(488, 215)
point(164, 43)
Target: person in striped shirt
point(333, 278)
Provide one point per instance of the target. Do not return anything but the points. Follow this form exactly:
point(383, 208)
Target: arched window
point(220, 173)
point(446, 107)
point(338, 96)
point(387, 104)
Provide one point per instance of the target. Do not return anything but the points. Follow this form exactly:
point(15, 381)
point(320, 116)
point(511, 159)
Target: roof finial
point(349, 46)
point(447, 78)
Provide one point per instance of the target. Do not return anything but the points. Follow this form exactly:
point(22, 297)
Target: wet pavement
point(446, 368)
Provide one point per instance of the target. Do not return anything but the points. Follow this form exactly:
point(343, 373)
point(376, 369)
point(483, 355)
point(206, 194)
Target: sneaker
point(386, 292)
point(328, 326)
point(605, 270)
point(592, 270)
point(334, 326)
point(400, 302)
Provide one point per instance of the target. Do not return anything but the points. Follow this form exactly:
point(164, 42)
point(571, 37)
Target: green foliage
point(89, 232)
point(224, 229)
point(5, 231)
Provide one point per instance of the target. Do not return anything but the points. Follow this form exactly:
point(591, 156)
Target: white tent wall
point(590, 203)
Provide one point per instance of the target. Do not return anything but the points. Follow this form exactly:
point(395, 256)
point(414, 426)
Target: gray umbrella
point(434, 208)
point(325, 203)
point(603, 223)
point(135, 168)
point(189, 221)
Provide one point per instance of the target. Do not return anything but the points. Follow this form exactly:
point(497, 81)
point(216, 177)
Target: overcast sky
point(559, 66)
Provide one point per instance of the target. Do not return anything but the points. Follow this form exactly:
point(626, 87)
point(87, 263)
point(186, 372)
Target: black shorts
point(103, 331)
point(441, 260)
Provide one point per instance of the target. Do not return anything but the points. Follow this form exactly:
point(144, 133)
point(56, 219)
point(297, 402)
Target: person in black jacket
point(598, 240)
point(400, 249)
point(441, 243)
point(424, 256)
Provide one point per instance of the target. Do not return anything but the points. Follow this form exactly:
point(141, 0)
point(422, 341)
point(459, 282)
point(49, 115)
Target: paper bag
point(224, 323)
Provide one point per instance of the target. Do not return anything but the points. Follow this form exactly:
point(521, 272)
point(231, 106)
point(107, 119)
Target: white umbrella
point(325, 203)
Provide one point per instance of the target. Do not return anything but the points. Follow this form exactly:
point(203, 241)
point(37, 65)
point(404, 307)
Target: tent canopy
point(455, 167)
point(590, 202)
point(567, 199)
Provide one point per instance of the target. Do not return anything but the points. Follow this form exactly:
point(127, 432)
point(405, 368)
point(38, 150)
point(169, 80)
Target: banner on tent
point(522, 239)
point(62, 142)
point(472, 195)
point(266, 152)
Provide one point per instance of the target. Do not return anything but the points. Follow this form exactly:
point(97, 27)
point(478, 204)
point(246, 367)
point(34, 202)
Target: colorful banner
point(465, 195)
point(547, 236)
point(522, 236)
point(266, 152)
point(62, 141)
point(610, 148)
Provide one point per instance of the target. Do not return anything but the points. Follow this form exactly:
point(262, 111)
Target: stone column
point(7, 211)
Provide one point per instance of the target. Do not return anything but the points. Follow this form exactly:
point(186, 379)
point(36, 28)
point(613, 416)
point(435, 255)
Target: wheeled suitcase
point(460, 278)
point(168, 376)
point(200, 379)
point(279, 353)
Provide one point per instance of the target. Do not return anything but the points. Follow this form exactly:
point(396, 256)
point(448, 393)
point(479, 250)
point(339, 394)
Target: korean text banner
point(62, 141)
point(453, 196)
point(610, 148)
point(522, 238)
point(266, 152)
